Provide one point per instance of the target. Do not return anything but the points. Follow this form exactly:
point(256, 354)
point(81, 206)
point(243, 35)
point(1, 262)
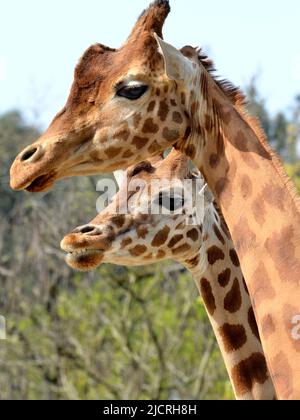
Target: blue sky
point(41, 42)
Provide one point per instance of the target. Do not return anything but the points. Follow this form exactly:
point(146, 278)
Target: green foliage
point(257, 106)
point(293, 171)
point(282, 131)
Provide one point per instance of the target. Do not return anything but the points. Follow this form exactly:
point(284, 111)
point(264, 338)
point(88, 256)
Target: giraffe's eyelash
point(132, 91)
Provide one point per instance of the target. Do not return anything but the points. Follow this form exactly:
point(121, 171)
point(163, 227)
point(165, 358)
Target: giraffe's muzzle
point(86, 246)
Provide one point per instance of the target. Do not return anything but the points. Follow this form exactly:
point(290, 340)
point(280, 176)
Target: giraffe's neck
point(220, 281)
point(263, 215)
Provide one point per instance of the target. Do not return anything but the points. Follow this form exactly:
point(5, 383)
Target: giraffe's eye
point(132, 92)
point(170, 203)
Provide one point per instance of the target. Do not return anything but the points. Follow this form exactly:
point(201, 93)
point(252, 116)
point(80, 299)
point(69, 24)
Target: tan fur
point(205, 250)
point(211, 127)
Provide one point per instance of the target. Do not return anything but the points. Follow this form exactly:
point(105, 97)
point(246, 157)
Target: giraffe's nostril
point(88, 230)
point(28, 154)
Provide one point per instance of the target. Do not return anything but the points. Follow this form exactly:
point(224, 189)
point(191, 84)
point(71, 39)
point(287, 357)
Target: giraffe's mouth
point(42, 183)
point(85, 259)
point(85, 251)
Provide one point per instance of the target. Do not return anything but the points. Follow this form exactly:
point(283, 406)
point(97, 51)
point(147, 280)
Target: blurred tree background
point(115, 333)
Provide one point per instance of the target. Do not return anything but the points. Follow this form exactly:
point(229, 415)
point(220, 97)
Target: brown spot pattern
point(151, 106)
point(268, 326)
point(194, 261)
point(226, 116)
point(161, 237)
point(177, 118)
point(215, 254)
point(249, 160)
point(249, 372)
point(112, 152)
point(193, 234)
point(126, 242)
point(119, 221)
point(244, 237)
point(138, 250)
point(223, 187)
point(241, 141)
point(234, 258)
point(274, 196)
point(136, 120)
point(233, 337)
point(170, 135)
point(150, 127)
point(139, 142)
point(261, 150)
point(181, 249)
point(163, 110)
point(155, 147)
point(161, 254)
point(259, 211)
point(260, 284)
point(246, 287)
point(246, 187)
point(283, 253)
point(253, 324)
point(283, 376)
point(214, 161)
point(191, 151)
point(142, 232)
point(208, 297)
point(224, 277)
point(174, 241)
point(127, 154)
point(225, 229)
point(233, 299)
point(183, 98)
point(122, 134)
point(96, 156)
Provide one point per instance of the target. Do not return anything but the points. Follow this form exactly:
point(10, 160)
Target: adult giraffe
point(130, 104)
point(140, 237)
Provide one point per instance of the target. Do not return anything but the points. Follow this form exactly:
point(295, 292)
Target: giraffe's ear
point(120, 177)
point(177, 66)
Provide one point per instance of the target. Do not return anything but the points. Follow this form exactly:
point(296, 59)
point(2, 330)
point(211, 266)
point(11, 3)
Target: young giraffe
point(130, 104)
point(138, 238)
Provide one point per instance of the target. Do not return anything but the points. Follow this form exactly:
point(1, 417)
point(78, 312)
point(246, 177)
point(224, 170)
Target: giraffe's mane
point(239, 101)
point(233, 93)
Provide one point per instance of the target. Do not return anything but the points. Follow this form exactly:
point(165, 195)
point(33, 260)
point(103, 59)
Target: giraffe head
point(141, 237)
point(122, 109)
